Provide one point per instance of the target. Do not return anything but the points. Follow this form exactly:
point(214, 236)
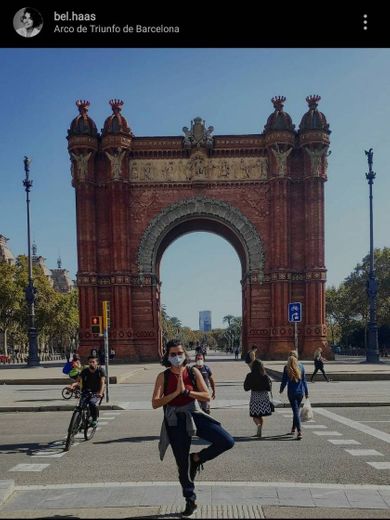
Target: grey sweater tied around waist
point(170, 418)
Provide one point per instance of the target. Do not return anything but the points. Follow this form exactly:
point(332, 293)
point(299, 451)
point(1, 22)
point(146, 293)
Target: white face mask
point(200, 362)
point(176, 361)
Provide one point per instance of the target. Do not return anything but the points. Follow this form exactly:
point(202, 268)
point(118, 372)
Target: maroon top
point(180, 400)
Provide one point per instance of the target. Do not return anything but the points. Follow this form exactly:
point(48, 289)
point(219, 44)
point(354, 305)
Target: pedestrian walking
point(208, 379)
point(259, 383)
point(251, 356)
point(319, 364)
point(102, 357)
point(236, 352)
point(178, 390)
point(294, 378)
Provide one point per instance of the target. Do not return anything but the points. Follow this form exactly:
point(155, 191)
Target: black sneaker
point(191, 507)
point(194, 467)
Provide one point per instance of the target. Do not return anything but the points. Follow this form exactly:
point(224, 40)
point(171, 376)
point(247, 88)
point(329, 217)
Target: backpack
point(248, 358)
point(67, 368)
point(74, 372)
point(191, 374)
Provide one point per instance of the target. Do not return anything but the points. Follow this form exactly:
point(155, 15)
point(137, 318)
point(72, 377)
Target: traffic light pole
point(106, 324)
point(106, 357)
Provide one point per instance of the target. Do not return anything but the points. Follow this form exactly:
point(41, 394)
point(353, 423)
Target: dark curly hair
point(34, 15)
point(258, 368)
point(174, 343)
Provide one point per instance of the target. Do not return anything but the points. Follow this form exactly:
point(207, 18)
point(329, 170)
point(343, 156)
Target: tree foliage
point(56, 314)
point(347, 307)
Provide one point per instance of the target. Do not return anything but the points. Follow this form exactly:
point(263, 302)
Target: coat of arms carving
point(198, 135)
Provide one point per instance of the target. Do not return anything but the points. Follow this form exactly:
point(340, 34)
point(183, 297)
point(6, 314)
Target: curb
point(54, 408)
point(6, 489)
point(346, 376)
point(69, 407)
point(46, 381)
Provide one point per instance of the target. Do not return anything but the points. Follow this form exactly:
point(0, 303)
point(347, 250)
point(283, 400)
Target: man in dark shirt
point(92, 379)
point(208, 379)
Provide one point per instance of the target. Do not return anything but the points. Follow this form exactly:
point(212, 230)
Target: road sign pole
point(296, 335)
point(295, 316)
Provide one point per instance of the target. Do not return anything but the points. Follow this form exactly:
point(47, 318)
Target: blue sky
point(163, 89)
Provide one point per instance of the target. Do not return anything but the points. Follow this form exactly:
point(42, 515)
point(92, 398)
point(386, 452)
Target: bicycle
point(81, 421)
point(69, 392)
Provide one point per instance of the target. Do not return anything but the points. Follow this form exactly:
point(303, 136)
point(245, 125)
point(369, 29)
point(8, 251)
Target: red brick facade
point(263, 192)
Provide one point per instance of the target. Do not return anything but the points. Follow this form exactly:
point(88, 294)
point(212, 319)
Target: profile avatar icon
point(28, 22)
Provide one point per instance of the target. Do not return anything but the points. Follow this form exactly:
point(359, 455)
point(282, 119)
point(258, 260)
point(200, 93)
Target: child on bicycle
point(75, 370)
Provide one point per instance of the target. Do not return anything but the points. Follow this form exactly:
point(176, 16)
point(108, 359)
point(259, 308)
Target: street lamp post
point(372, 354)
point(33, 359)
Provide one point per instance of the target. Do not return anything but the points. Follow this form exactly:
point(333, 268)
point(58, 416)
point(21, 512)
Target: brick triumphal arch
point(264, 193)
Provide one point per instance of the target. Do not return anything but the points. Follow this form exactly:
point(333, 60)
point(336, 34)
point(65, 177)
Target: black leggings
point(323, 373)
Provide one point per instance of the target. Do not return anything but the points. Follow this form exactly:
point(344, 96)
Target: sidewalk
point(342, 369)
point(27, 392)
point(347, 369)
point(215, 500)
point(51, 374)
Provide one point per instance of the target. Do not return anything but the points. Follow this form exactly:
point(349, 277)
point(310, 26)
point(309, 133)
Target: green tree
point(228, 319)
point(65, 322)
point(347, 309)
point(356, 286)
point(11, 300)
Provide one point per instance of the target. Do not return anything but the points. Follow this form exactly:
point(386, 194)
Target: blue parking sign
point(295, 312)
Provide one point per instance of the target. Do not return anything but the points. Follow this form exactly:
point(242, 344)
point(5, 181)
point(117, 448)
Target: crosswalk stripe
point(362, 452)
point(29, 467)
point(329, 433)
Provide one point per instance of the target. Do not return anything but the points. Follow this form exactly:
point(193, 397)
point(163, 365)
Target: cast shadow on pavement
point(280, 437)
point(35, 389)
point(38, 400)
point(153, 515)
point(131, 439)
point(30, 448)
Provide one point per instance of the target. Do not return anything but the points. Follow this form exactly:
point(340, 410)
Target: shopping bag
point(306, 412)
point(275, 403)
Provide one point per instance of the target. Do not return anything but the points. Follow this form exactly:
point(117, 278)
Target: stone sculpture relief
point(116, 162)
point(316, 155)
point(198, 135)
point(198, 167)
point(81, 161)
point(281, 159)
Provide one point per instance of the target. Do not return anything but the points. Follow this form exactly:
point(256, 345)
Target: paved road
point(343, 460)
point(125, 449)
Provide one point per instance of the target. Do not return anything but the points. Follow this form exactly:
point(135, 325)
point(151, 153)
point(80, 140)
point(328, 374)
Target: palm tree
point(228, 319)
point(176, 322)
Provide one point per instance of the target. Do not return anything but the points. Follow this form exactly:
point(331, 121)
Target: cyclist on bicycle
point(92, 379)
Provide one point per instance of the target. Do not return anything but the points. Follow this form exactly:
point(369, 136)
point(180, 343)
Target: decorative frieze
point(198, 167)
point(104, 281)
point(144, 333)
point(315, 330)
point(258, 332)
